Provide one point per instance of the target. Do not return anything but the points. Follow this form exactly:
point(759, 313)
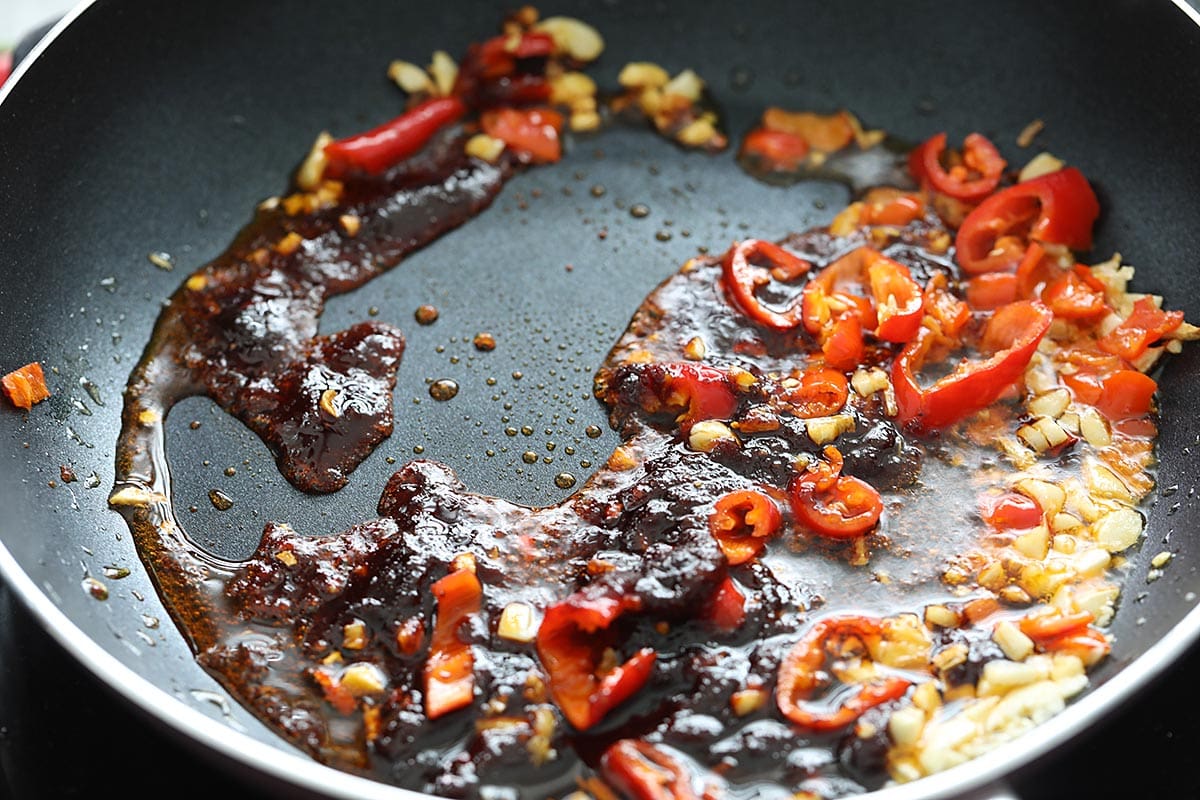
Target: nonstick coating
point(147, 127)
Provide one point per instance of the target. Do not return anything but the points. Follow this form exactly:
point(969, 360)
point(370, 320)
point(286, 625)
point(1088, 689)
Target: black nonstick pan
point(139, 129)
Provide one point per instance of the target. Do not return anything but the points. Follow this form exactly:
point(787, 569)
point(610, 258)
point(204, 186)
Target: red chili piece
point(702, 392)
point(570, 646)
point(1144, 326)
point(741, 523)
point(899, 302)
point(834, 505)
point(382, 147)
point(778, 151)
point(450, 669)
point(822, 392)
point(1010, 511)
point(744, 277)
point(802, 674)
point(1059, 208)
point(642, 771)
point(726, 609)
point(532, 133)
point(1012, 335)
point(973, 179)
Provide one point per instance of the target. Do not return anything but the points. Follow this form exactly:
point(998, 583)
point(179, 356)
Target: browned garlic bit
point(673, 104)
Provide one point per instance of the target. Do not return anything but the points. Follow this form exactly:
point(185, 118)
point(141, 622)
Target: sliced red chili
point(833, 505)
point(776, 150)
point(570, 644)
point(820, 393)
point(1010, 511)
point(1072, 296)
point(726, 609)
point(899, 303)
point(898, 210)
point(1011, 334)
point(531, 133)
point(450, 668)
point(1146, 324)
point(974, 177)
point(748, 266)
point(1059, 208)
point(741, 523)
point(642, 771)
point(844, 348)
point(380, 148)
point(828, 294)
point(946, 311)
point(1047, 625)
point(991, 290)
point(701, 391)
point(802, 674)
point(1126, 393)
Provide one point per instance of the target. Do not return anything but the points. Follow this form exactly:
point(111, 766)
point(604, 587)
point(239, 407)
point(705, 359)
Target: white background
point(19, 17)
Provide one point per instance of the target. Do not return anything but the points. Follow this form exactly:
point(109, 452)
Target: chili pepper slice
point(741, 522)
point(899, 303)
point(972, 180)
point(450, 668)
point(392, 142)
point(1046, 625)
point(844, 348)
point(25, 386)
point(899, 209)
point(825, 132)
point(831, 504)
point(570, 650)
point(1146, 324)
point(1126, 393)
point(643, 771)
point(802, 674)
point(821, 392)
point(1011, 334)
point(703, 392)
point(6, 65)
point(776, 150)
point(947, 312)
point(531, 133)
point(1059, 208)
point(1010, 511)
point(1074, 295)
point(743, 278)
point(726, 609)
point(991, 290)
point(826, 296)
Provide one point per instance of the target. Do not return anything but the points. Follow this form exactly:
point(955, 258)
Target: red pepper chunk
point(778, 151)
point(899, 303)
point(974, 179)
point(1125, 393)
point(570, 647)
point(1012, 335)
point(378, 149)
point(1059, 208)
point(726, 609)
point(532, 133)
point(844, 348)
point(702, 392)
point(822, 392)
point(743, 279)
point(991, 290)
point(1145, 325)
point(1074, 295)
point(802, 674)
point(833, 505)
point(1010, 511)
point(450, 669)
point(741, 523)
point(642, 771)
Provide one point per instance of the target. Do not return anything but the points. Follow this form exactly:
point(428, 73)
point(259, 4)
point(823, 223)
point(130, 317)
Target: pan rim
point(984, 775)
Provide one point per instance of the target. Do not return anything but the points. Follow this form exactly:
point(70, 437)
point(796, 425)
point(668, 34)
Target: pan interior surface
point(167, 147)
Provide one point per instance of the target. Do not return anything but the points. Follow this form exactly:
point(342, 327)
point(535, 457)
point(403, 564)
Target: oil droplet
point(149, 621)
point(443, 389)
point(663, 236)
point(740, 78)
point(92, 389)
point(564, 480)
point(373, 311)
point(220, 500)
point(585, 464)
point(518, 375)
point(527, 430)
point(426, 314)
point(598, 190)
point(418, 449)
point(484, 341)
point(230, 471)
point(92, 481)
point(529, 457)
point(593, 431)
point(115, 573)
point(194, 424)
point(639, 210)
point(67, 474)
point(510, 431)
point(95, 588)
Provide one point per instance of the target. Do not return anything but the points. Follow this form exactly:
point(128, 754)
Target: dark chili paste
point(763, 592)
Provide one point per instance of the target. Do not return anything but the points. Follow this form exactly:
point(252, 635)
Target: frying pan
point(136, 130)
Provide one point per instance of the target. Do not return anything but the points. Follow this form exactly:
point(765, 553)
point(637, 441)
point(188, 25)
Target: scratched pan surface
point(142, 130)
